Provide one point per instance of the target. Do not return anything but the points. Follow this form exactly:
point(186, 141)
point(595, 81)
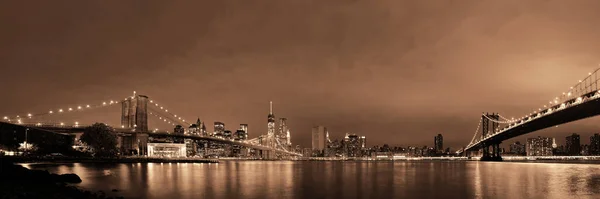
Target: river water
point(298, 179)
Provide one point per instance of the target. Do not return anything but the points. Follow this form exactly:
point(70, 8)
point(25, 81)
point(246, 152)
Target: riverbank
point(17, 181)
point(25, 159)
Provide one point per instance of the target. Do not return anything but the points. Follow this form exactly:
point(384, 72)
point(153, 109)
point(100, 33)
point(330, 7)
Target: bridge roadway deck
point(68, 129)
point(574, 112)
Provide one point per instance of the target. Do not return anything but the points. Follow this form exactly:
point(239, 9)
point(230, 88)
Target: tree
point(101, 138)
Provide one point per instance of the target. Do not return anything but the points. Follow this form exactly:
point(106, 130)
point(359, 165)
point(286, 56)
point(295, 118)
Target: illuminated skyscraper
point(228, 134)
point(288, 138)
point(219, 129)
point(240, 135)
point(281, 132)
point(540, 146)
point(270, 126)
point(244, 127)
point(362, 141)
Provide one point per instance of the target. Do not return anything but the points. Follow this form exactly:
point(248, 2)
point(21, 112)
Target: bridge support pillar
point(494, 155)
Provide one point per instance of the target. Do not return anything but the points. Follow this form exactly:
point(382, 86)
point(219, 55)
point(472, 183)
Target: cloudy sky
point(396, 71)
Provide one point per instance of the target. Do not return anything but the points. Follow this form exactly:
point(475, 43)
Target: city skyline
point(373, 72)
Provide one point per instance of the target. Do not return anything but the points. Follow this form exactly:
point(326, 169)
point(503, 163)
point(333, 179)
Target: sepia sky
point(399, 72)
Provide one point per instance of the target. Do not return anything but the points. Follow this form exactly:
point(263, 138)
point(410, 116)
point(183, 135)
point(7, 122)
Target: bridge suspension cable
point(497, 121)
point(59, 111)
point(164, 110)
point(162, 119)
point(476, 132)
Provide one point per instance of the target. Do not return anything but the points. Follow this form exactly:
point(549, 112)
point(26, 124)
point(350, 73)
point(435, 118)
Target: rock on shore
point(17, 181)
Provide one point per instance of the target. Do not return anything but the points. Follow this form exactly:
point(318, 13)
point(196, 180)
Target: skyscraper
point(573, 144)
point(595, 144)
point(244, 127)
point(438, 143)
point(228, 134)
point(363, 142)
point(240, 135)
point(319, 139)
point(219, 129)
point(270, 126)
point(540, 146)
point(282, 130)
point(288, 138)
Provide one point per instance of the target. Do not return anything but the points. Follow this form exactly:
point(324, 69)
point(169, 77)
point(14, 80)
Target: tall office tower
point(281, 132)
point(573, 144)
point(227, 134)
point(438, 143)
point(319, 138)
point(193, 129)
point(540, 146)
point(219, 129)
point(288, 138)
point(134, 113)
point(240, 135)
point(362, 141)
point(202, 129)
point(595, 144)
point(271, 126)
point(244, 127)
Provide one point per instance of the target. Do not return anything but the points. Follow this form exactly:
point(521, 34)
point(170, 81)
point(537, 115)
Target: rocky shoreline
point(26, 159)
point(17, 181)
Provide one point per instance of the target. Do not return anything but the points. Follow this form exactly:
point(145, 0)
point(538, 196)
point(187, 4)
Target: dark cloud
point(397, 71)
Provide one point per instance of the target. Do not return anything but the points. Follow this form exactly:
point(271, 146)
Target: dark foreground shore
point(22, 159)
point(17, 181)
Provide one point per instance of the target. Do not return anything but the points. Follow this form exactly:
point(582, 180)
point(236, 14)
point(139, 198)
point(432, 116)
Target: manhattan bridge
point(134, 133)
point(579, 102)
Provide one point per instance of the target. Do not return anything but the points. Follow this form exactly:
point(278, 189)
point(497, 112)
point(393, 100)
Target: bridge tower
point(134, 115)
point(489, 127)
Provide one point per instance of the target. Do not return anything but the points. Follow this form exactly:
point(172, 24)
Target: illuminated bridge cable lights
point(166, 111)
point(585, 91)
point(61, 111)
point(163, 119)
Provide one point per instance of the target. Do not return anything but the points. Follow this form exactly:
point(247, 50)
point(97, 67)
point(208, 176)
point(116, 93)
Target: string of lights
point(476, 133)
point(166, 111)
point(163, 119)
point(58, 111)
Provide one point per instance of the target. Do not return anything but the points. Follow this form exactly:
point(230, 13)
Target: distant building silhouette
point(517, 148)
point(595, 144)
point(179, 130)
point(573, 144)
point(438, 143)
point(319, 138)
